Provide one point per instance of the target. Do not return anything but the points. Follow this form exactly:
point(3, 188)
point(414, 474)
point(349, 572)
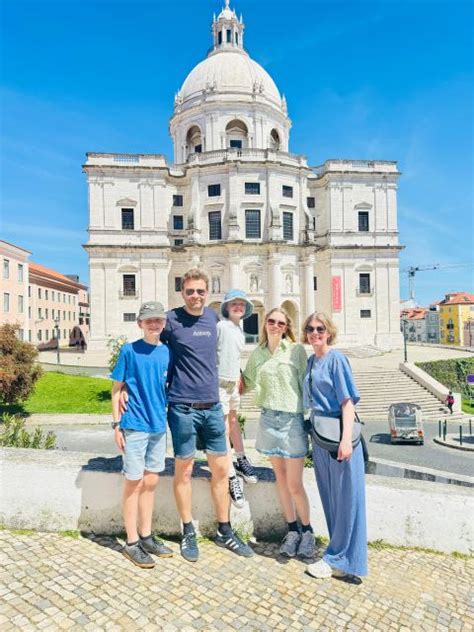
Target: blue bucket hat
point(231, 295)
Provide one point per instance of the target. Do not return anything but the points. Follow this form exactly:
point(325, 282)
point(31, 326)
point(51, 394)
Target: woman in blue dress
point(329, 391)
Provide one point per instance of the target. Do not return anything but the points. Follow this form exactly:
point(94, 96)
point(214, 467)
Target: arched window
point(274, 140)
point(236, 134)
point(193, 141)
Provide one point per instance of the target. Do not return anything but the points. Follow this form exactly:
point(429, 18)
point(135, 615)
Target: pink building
point(14, 287)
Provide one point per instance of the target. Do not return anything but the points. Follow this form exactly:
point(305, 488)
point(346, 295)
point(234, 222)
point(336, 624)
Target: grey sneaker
point(155, 546)
point(307, 546)
point(189, 547)
point(137, 555)
point(234, 544)
point(290, 544)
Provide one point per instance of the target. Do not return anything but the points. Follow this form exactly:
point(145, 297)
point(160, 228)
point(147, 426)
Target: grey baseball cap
point(152, 309)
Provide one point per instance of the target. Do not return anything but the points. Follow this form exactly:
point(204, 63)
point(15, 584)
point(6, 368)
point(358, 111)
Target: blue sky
point(383, 79)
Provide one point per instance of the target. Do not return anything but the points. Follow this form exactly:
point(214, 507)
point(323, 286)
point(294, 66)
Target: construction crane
point(412, 270)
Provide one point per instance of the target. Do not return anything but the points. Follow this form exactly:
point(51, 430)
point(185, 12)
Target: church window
point(127, 219)
point(129, 317)
point(215, 225)
point(315, 283)
point(252, 224)
point(365, 313)
point(287, 191)
point(229, 36)
point(237, 39)
point(364, 283)
point(178, 242)
point(288, 226)
point(236, 144)
point(219, 37)
point(363, 221)
point(177, 284)
point(214, 190)
point(252, 188)
point(177, 200)
point(198, 149)
point(310, 202)
point(178, 222)
point(128, 285)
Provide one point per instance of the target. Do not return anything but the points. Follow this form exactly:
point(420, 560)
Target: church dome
point(230, 71)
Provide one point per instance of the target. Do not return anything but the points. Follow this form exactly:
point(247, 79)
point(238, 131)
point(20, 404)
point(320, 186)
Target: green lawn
point(61, 393)
point(467, 408)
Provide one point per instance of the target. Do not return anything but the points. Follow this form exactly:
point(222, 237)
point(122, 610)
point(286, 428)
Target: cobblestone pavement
point(52, 582)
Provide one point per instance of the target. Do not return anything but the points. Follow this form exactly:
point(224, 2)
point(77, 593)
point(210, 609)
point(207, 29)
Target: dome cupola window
point(236, 134)
point(193, 140)
point(274, 140)
point(227, 29)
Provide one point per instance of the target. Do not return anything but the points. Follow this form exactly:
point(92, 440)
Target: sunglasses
point(278, 323)
point(310, 330)
point(190, 292)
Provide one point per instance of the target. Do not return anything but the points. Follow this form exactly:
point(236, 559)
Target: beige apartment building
point(14, 287)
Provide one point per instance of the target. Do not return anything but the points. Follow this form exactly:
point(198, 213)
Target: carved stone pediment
point(126, 202)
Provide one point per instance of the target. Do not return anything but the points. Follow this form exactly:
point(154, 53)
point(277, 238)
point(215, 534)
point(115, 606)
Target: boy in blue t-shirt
point(140, 433)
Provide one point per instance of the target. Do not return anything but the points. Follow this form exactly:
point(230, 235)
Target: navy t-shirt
point(193, 344)
point(144, 368)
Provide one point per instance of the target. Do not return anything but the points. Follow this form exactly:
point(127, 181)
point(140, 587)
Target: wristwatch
point(115, 424)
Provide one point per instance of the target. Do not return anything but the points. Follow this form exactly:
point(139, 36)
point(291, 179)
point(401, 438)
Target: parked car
point(406, 423)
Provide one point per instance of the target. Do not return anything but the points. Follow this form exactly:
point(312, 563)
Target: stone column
point(274, 279)
point(309, 306)
point(234, 271)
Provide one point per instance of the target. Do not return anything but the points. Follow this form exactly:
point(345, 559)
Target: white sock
point(240, 455)
point(232, 471)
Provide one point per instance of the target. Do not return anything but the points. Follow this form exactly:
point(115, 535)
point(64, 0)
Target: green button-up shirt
point(278, 377)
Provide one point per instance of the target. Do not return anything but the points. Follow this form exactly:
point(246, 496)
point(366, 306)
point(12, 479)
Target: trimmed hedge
point(451, 373)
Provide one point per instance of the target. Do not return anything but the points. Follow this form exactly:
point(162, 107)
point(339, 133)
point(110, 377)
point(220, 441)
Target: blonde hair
point(326, 321)
point(195, 274)
point(289, 332)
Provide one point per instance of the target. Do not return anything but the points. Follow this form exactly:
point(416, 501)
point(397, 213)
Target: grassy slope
point(61, 393)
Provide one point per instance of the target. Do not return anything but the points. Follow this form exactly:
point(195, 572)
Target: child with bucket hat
point(230, 344)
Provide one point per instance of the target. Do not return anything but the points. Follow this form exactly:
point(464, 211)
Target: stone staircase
point(378, 389)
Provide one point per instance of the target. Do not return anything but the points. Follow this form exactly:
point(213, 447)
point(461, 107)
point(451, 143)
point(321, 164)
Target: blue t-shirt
point(144, 368)
point(332, 384)
point(193, 344)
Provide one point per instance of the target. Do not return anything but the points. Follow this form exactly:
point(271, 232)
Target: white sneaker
point(319, 569)
point(236, 493)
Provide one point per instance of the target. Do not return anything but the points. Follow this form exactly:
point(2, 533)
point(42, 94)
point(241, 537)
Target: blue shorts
point(143, 451)
point(282, 434)
point(189, 425)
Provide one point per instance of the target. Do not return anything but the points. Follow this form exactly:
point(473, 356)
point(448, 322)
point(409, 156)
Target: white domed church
point(236, 203)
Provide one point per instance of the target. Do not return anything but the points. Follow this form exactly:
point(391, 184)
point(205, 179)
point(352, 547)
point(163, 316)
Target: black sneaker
point(236, 493)
point(155, 546)
point(138, 556)
point(245, 470)
point(234, 544)
point(189, 548)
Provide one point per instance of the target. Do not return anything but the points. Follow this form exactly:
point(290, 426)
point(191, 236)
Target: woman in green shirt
point(276, 371)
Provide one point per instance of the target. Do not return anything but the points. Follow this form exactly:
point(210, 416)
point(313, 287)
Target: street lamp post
point(405, 339)
point(56, 328)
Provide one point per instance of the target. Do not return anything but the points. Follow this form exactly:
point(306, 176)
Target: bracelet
point(115, 424)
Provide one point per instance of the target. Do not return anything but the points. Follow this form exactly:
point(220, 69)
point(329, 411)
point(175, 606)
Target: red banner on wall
point(336, 293)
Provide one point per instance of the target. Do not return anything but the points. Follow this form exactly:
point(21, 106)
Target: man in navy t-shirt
point(194, 411)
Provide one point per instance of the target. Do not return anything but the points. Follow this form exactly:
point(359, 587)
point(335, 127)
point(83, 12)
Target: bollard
point(444, 430)
point(439, 428)
point(460, 434)
point(470, 426)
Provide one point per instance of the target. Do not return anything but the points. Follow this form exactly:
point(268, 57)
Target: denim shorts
point(143, 451)
point(282, 434)
point(189, 425)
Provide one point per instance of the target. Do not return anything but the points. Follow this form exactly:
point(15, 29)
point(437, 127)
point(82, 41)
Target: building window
point(214, 190)
point(20, 273)
point(6, 302)
point(29, 291)
point(46, 313)
point(39, 292)
point(219, 37)
point(365, 313)
point(29, 311)
point(237, 39)
point(40, 335)
point(46, 294)
point(177, 284)
point(287, 191)
point(177, 200)
point(21, 304)
point(235, 144)
point(6, 268)
point(52, 295)
point(129, 286)
point(178, 222)
point(228, 35)
point(64, 315)
point(252, 224)
point(215, 226)
point(315, 283)
point(288, 226)
point(40, 312)
point(310, 202)
point(129, 317)
point(179, 242)
point(127, 219)
point(364, 283)
point(29, 335)
point(198, 149)
point(252, 188)
point(21, 334)
point(363, 221)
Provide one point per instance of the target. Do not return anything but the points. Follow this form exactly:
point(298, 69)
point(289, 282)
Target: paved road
point(49, 582)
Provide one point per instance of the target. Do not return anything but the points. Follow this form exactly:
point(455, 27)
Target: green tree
point(114, 345)
point(19, 369)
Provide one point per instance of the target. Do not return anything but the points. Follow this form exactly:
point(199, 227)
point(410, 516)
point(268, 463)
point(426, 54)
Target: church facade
point(236, 203)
